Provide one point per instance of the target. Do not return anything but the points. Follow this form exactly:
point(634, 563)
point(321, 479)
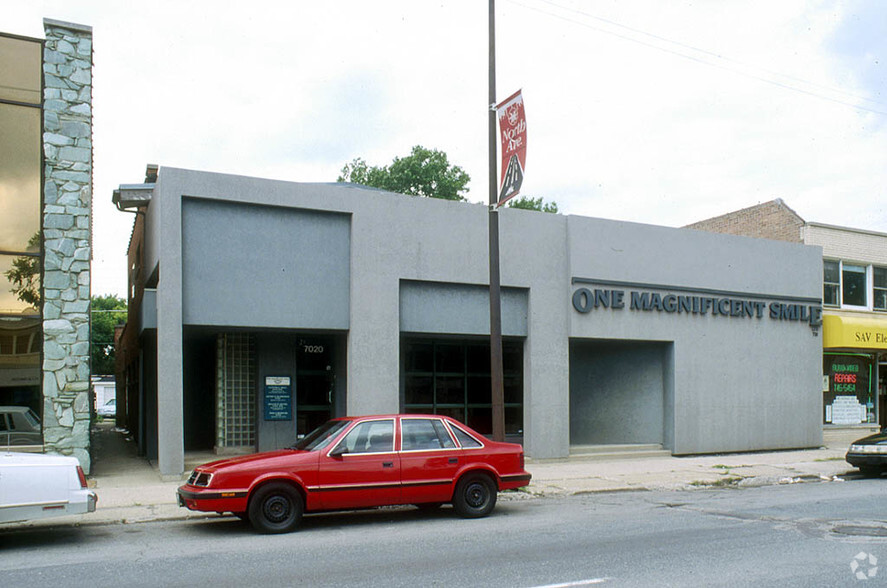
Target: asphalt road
point(794, 535)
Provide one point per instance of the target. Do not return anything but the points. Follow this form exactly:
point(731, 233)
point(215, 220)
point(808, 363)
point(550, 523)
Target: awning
point(850, 332)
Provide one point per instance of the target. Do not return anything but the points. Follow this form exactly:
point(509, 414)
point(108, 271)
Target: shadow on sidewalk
point(115, 454)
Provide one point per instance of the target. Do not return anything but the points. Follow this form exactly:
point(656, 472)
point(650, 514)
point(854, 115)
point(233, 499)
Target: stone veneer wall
point(67, 194)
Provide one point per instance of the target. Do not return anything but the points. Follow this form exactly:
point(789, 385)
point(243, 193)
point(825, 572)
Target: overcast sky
point(639, 110)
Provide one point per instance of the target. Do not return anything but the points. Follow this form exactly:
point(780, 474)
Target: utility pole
point(496, 372)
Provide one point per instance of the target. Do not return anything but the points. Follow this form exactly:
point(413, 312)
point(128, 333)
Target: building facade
point(854, 295)
point(45, 242)
point(259, 308)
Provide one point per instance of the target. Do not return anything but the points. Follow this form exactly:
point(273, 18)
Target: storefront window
point(21, 292)
point(848, 394)
point(879, 293)
point(453, 379)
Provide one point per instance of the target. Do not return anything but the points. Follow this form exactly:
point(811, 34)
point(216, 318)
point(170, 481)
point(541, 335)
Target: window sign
point(849, 399)
point(278, 398)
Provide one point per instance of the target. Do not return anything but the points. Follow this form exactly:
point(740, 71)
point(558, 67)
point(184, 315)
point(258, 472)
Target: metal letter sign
point(513, 129)
point(278, 398)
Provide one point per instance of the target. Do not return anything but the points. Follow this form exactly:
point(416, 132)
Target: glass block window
point(236, 391)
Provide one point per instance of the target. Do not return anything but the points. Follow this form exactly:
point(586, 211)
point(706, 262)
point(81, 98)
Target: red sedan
point(359, 462)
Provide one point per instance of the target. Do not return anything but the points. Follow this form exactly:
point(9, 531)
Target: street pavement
point(131, 489)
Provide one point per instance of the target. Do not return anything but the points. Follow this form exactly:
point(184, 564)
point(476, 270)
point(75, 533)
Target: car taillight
point(82, 477)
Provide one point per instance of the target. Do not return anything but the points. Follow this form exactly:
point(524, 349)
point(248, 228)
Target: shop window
point(831, 282)
point(848, 391)
point(453, 379)
point(853, 285)
point(21, 256)
point(879, 292)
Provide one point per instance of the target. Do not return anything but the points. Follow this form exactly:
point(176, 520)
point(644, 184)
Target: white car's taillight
point(82, 477)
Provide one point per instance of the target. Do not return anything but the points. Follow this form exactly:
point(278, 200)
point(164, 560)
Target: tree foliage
point(24, 275)
point(424, 172)
point(530, 203)
point(107, 312)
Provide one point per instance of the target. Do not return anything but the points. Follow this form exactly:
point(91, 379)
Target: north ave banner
point(513, 130)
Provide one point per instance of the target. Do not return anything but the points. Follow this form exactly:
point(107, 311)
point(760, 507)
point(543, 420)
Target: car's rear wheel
point(475, 496)
point(276, 508)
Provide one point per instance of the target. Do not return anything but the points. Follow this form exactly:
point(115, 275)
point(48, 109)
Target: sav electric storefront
point(267, 306)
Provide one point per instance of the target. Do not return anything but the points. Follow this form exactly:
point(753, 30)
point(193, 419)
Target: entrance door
point(315, 383)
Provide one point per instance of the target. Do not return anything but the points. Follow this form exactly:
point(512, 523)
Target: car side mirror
point(339, 451)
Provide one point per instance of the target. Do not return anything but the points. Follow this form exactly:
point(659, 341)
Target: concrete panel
point(262, 266)
point(428, 307)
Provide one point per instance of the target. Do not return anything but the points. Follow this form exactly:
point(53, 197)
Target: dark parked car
point(869, 454)
point(360, 462)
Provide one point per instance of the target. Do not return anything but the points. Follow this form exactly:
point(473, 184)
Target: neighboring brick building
point(770, 220)
point(854, 332)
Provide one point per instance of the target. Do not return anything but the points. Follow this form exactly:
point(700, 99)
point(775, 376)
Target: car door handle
point(454, 460)
point(387, 464)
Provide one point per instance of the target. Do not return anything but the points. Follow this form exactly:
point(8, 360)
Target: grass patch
point(720, 483)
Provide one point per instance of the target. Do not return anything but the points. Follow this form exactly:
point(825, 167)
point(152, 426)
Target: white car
point(108, 409)
point(37, 486)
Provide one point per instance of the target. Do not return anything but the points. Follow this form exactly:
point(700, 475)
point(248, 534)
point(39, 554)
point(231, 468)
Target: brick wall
point(848, 244)
point(770, 220)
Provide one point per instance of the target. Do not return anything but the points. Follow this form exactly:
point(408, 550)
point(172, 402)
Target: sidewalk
point(131, 490)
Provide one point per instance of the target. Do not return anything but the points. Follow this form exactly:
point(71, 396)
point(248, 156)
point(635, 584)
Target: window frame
point(876, 288)
point(870, 289)
point(835, 285)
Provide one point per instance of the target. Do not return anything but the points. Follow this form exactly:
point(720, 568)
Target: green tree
point(24, 275)
point(529, 203)
point(424, 172)
point(107, 312)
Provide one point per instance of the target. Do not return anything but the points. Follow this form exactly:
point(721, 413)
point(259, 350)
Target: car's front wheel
point(276, 508)
point(475, 496)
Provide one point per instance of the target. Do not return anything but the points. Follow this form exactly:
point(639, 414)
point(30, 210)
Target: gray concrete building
point(259, 308)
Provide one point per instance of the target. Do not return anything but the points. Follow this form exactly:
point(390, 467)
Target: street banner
point(513, 130)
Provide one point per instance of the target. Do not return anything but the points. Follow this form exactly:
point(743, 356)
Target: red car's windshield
point(321, 436)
